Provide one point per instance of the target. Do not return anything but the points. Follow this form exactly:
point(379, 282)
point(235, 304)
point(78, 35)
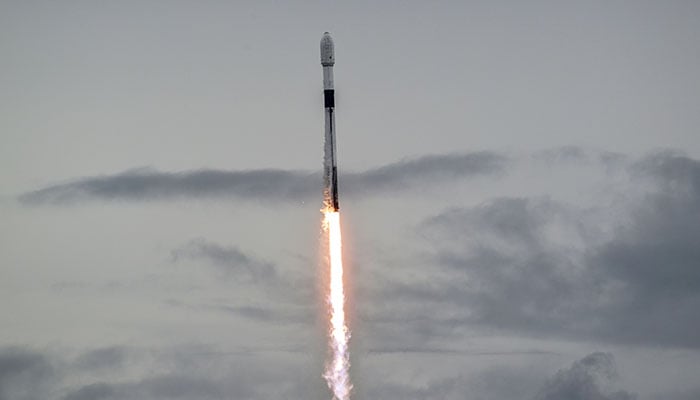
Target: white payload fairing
point(330, 166)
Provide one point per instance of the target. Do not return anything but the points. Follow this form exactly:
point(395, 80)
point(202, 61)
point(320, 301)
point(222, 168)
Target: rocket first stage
point(330, 166)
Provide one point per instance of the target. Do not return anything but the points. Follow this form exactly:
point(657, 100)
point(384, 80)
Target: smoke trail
point(337, 368)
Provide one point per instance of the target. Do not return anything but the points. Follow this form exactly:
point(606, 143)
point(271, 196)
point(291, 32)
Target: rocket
point(330, 165)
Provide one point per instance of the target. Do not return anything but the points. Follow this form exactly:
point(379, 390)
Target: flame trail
point(337, 369)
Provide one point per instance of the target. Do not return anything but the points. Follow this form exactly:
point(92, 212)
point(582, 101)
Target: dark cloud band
point(270, 185)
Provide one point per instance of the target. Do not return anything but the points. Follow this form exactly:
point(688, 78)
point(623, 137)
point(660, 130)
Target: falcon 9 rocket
point(330, 166)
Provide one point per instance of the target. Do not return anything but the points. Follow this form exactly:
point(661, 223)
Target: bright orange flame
point(337, 370)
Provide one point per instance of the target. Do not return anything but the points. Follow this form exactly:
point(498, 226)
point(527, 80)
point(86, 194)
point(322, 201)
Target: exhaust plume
point(337, 368)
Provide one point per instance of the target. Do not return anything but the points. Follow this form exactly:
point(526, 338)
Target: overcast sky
point(519, 182)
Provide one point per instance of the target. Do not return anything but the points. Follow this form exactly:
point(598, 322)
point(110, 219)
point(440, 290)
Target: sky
point(519, 190)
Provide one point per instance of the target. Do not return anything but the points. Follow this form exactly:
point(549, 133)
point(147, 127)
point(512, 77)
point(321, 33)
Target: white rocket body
point(330, 166)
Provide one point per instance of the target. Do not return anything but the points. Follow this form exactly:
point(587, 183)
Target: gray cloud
point(150, 184)
point(589, 378)
point(94, 391)
point(230, 260)
point(177, 387)
point(180, 372)
point(424, 170)
point(205, 376)
point(102, 358)
point(580, 155)
point(489, 266)
point(511, 220)
point(23, 374)
point(154, 388)
point(271, 185)
point(563, 154)
point(593, 377)
point(284, 297)
point(682, 395)
point(494, 384)
point(202, 372)
point(437, 350)
point(503, 265)
point(672, 170)
point(275, 315)
point(654, 261)
point(235, 264)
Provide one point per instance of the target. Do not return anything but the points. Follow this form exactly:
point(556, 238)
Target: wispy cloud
point(284, 296)
point(230, 260)
point(149, 184)
point(268, 185)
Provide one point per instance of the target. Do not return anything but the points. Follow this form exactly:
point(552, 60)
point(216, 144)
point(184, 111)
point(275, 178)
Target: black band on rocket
point(328, 98)
point(334, 195)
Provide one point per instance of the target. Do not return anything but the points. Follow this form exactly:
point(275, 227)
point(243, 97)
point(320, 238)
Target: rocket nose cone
point(327, 50)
